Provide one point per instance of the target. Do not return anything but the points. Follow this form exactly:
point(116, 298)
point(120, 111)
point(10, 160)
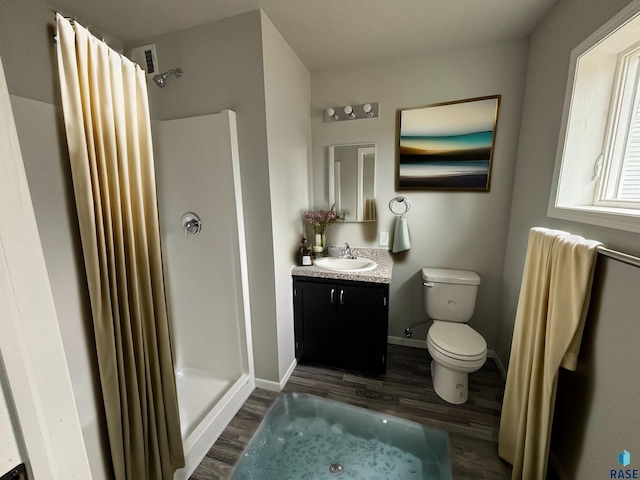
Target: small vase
point(319, 246)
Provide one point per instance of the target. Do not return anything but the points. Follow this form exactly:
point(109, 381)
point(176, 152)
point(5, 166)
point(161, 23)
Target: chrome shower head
point(161, 80)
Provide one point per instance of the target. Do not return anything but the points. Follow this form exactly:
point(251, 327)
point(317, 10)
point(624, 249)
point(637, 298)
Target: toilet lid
point(458, 339)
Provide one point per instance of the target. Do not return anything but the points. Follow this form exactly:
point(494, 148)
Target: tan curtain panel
point(106, 115)
point(552, 308)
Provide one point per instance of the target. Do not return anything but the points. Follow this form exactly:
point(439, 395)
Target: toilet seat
point(457, 341)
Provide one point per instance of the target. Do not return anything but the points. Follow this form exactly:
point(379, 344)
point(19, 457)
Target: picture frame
point(447, 146)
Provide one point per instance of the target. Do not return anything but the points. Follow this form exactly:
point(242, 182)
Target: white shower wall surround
point(197, 170)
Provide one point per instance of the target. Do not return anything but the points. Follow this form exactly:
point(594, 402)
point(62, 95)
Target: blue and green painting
point(447, 146)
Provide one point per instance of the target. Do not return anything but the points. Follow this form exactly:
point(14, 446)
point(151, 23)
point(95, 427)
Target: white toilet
point(449, 298)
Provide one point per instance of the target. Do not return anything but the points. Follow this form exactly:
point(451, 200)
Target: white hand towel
point(401, 241)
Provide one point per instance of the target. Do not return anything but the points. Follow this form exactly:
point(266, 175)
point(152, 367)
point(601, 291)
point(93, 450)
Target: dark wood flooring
point(405, 391)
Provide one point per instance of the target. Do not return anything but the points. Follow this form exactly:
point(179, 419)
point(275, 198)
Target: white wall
point(204, 289)
point(10, 455)
point(35, 375)
point(42, 143)
point(243, 64)
point(27, 51)
point(223, 69)
point(288, 99)
point(596, 406)
point(26, 40)
point(595, 422)
point(223, 64)
point(564, 28)
point(27, 28)
point(463, 230)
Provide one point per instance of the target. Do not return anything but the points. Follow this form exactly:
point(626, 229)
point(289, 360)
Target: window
point(619, 184)
point(597, 176)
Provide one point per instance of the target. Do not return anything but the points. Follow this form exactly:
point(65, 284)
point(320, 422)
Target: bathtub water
point(304, 437)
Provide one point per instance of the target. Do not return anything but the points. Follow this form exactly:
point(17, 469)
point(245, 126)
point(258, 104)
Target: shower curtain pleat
point(106, 114)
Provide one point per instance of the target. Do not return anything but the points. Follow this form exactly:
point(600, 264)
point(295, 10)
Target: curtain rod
point(619, 256)
point(72, 21)
point(55, 12)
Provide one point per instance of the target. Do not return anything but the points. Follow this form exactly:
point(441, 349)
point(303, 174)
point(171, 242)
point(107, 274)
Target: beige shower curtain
point(106, 115)
point(552, 307)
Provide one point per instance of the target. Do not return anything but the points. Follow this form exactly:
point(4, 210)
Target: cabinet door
point(316, 322)
point(362, 327)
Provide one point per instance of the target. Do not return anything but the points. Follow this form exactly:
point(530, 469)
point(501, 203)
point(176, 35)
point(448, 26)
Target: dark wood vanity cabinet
point(341, 323)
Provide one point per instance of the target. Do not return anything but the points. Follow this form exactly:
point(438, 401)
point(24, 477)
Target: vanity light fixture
point(351, 112)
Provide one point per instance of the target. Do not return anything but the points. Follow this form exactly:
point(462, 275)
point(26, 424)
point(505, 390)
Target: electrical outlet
point(383, 239)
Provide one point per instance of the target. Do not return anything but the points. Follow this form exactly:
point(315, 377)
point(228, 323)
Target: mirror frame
point(372, 148)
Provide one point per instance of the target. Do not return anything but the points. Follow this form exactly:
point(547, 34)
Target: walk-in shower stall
point(200, 204)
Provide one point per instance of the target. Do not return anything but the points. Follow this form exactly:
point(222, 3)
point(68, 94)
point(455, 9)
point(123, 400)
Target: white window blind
point(629, 186)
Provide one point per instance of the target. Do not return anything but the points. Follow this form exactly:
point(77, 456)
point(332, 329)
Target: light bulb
point(368, 109)
point(349, 111)
point(331, 113)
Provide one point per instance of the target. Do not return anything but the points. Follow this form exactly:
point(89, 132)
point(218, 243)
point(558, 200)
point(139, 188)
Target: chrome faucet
point(347, 251)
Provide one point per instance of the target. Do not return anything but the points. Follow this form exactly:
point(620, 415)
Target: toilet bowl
point(456, 349)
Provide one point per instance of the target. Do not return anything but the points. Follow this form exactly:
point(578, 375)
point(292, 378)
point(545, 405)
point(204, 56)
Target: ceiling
point(328, 33)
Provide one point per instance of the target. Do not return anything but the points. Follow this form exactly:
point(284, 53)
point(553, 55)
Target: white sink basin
point(359, 264)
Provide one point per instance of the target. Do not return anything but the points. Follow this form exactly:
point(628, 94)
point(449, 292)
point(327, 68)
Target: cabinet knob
point(331, 296)
point(341, 297)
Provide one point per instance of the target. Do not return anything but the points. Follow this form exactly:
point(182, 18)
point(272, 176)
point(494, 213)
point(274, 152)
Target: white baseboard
point(407, 342)
point(492, 354)
point(277, 386)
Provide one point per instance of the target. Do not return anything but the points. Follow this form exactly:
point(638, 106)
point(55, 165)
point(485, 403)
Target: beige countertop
point(380, 274)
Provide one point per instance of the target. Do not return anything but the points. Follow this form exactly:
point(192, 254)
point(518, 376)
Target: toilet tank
point(449, 295)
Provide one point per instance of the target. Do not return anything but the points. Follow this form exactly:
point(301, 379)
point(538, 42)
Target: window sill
point(627, 219)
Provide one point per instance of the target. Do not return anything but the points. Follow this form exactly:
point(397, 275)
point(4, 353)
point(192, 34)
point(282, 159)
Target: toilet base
point(451, 386)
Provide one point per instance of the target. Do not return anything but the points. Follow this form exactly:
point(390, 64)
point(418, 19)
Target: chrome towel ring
point(399, 201)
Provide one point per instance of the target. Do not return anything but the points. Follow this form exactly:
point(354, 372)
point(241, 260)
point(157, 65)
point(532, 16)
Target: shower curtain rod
point(73, 20)
point(55, 12)
point(619, 256)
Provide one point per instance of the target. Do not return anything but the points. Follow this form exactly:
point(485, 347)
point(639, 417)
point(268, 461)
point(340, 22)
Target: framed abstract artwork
point(447, 146)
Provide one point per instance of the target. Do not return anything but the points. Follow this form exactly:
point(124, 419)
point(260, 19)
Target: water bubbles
point(337, 429)
point(307, 446)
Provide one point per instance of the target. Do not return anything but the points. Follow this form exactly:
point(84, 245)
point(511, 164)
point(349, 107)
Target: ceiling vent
point(146, 57)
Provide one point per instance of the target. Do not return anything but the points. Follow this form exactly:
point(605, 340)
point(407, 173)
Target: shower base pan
point(304, 437)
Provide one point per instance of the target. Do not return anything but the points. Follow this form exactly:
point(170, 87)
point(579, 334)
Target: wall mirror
point(352, 180)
